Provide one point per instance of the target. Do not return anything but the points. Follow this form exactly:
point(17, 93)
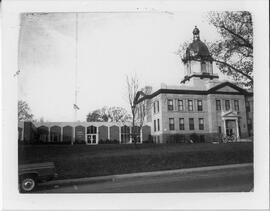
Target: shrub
point(176, 138)
point(194, 137)
point(79, 142)
point(148, 142)
point(181, 139)
point(115, 141)
point(108, 141)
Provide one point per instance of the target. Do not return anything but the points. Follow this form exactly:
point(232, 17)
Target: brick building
point(202, 107)
point(79, 132)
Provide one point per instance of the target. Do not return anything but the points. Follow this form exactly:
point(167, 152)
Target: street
point(222, 180)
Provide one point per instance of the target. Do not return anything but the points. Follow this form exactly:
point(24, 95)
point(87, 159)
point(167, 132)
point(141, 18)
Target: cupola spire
point(196, 33)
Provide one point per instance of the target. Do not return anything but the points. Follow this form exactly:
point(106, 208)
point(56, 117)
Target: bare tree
point(132, 83)
point(144, 107)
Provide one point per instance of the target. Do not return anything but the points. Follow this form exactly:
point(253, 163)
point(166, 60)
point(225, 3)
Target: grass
point(86, 161)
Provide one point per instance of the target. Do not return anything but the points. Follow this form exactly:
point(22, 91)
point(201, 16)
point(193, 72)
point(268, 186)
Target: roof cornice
point(212, 90)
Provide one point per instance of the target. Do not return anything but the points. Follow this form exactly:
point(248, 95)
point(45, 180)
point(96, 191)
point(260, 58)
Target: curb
point(142, 174)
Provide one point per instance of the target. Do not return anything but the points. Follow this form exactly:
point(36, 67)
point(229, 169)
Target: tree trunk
point(133, 127)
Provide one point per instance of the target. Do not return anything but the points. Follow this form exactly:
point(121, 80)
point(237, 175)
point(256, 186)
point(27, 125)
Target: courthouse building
point(202, 106)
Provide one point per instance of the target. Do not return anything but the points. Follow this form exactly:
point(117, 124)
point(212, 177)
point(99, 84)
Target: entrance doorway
point(91, 139)
point(231, 127)
point(91, 135)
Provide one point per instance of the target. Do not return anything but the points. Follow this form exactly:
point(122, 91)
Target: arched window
point(114, 133)
point(203, 67)
point(43, 133)
point(91, 130)
point(125, 134)
point(67, 134)
point(55, 134)
point(79, 134)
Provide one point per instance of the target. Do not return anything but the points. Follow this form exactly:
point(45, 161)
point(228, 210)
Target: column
point(237, 130)
point(61, 134)
point(109, 135)
point(224, 127)
point(120, 141)
point(97, 139)
point(130, 136)
point(49, 134)
point(85, 135)
point(22, 135)
point(73, 135)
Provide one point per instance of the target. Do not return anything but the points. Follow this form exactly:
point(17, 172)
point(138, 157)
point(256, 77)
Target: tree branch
point(235, 69)
point(248, 44)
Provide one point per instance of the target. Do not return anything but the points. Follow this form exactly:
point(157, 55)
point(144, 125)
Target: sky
point(110, 47)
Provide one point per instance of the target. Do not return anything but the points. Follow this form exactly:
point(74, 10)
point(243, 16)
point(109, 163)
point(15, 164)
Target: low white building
point(80, 132)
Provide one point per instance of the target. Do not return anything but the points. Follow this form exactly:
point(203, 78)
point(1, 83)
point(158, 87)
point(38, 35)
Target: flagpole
point(76, 66)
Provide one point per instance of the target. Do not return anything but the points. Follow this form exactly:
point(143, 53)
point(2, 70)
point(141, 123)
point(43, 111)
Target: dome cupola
point(197, 50)
point(197, 59)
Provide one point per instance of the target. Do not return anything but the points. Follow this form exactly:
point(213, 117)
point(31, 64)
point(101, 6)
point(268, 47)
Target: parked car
point(31, 174)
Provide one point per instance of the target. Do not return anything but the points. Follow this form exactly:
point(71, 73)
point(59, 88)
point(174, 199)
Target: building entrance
point(91, 139)
point(92, 135)
point(231, 127)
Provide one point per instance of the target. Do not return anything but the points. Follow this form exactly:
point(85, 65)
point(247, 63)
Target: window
point(171, 123)
point(125, 134)
point(155, 128)
point(248, 106)
point(202, 139)
point(156, 107)
point(91, 130)
point(181, 124)
point(249, 124)
point(190, 105)
point(218, 105)
point(203, 66)
point(180, 105)
point(227, 105)
point(191, 124)
point(236, 105)
point(200, 106)
point(201, 124)
point(170, 105)
point(158, 124)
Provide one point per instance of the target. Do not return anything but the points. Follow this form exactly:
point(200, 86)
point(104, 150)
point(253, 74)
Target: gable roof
point(141, 96)
point(230, 114)
point(224, 84)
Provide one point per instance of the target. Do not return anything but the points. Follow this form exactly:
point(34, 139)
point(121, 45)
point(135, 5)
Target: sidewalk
point(141, 174)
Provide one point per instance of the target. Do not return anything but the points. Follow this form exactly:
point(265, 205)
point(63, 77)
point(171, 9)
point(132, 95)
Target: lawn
point(87, 161)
